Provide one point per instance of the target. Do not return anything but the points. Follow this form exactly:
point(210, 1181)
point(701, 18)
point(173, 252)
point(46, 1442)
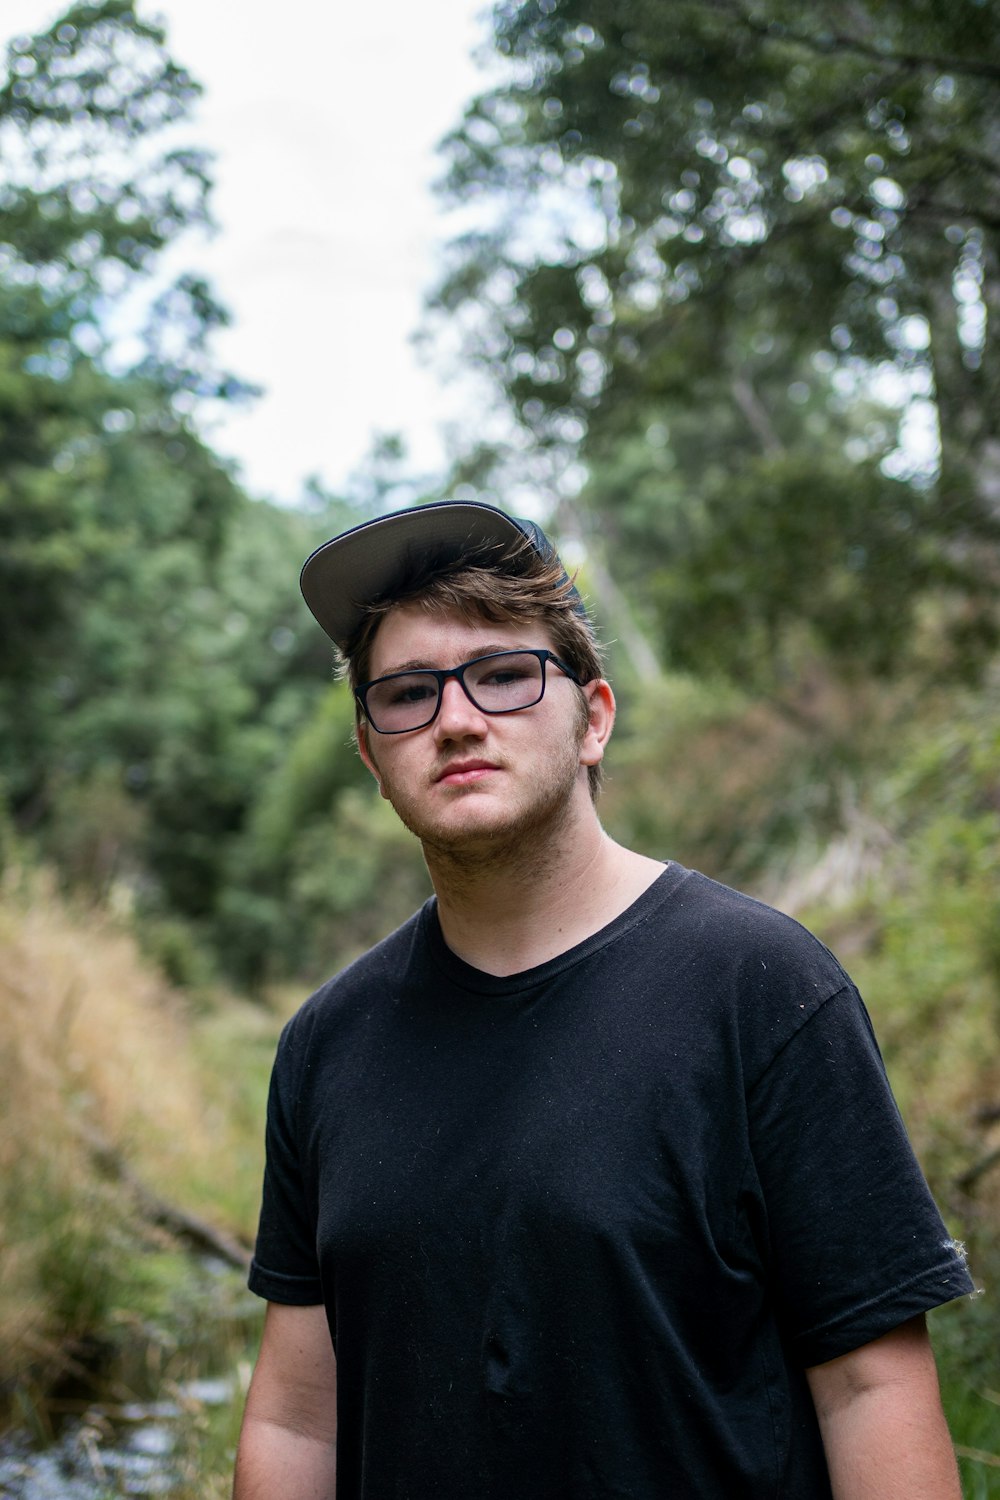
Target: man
point(589, 1173)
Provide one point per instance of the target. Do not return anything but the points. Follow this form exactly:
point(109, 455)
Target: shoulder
point(750, 966)
point(745, 934)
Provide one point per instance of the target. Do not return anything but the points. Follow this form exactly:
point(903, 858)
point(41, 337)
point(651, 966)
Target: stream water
point(109, 1450)
point(148, 1419)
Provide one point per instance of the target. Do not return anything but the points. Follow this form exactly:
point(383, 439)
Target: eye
point(411, 692)
point(507, 674)
point(501, 676)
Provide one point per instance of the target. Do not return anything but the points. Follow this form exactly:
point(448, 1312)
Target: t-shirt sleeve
point(285, 1266)
point(857, 1244)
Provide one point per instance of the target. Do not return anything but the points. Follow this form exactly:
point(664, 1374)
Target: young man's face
point(472, 778)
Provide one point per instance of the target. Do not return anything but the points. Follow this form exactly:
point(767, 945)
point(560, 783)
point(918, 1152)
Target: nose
point(458, 715)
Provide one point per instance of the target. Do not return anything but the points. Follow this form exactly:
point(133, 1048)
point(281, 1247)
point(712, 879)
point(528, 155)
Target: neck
point(507, 909)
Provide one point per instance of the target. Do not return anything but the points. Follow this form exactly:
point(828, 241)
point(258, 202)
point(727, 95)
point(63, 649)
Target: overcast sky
point(323, 118)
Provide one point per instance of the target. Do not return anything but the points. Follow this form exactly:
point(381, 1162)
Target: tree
point(103, 479)
point(710, 236)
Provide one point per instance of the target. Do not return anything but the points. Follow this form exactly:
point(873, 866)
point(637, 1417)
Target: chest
point(600, 1118)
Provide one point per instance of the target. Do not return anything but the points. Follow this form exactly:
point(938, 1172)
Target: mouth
point(465, 772)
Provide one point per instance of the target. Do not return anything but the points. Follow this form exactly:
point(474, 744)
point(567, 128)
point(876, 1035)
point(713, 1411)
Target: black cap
point(362, 565)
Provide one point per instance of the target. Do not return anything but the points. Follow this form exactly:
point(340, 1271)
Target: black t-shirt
point(580, 1230)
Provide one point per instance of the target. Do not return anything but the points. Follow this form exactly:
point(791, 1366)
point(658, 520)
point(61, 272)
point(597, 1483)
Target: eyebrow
point(420, 664)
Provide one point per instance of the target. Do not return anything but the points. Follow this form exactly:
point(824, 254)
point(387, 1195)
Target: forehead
point(410, 635)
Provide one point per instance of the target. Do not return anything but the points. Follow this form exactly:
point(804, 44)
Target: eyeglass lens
point(496, 685)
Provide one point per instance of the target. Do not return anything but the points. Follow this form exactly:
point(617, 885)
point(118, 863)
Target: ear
point(600, 721)
point(364, 750)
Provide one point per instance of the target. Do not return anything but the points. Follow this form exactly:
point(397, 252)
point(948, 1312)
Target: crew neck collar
point(468, 977)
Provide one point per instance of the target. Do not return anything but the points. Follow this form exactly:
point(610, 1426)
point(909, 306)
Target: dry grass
point(93, 1039)
point(94, 1047)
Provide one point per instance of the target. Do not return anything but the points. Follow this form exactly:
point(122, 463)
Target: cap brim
point(348, 573)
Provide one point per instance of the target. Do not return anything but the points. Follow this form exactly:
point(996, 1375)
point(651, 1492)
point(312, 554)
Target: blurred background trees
point(740, 260)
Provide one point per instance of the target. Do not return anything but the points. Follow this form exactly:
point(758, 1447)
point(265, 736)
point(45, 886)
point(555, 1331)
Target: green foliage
point(934, 970)
point(73, 1233)
point(357, 880)
point(108, 499)
point(233, 1045)
point(740, 786)
point(965, 1344)
point(173, 946)
point(84, 1243)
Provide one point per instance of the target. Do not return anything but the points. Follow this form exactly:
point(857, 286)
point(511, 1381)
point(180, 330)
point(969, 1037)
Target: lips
point(465, 772)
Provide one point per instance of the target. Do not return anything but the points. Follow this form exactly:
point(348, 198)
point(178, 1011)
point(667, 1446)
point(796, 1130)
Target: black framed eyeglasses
point(502, 683)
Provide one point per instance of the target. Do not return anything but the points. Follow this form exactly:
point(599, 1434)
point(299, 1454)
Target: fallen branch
point(191, 1230)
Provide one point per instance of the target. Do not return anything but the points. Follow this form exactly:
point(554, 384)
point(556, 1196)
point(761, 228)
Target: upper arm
point(288, 1441)
point(880, 1415)
point(901, 1360)
point(294, 1384)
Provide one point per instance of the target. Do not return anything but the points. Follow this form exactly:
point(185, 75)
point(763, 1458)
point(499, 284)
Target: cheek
point(363, 740)
point(394, 770)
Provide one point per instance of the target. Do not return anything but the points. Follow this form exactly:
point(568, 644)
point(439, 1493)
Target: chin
point(475, 827)
point(453, 834)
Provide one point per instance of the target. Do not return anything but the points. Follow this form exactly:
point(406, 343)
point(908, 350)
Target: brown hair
point(505, 587)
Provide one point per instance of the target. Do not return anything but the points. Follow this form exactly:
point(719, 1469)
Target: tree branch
point(757, 415)
point(191, 1230)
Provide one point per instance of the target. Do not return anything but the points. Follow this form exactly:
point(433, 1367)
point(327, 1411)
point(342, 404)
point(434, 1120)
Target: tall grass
point(99, 1064)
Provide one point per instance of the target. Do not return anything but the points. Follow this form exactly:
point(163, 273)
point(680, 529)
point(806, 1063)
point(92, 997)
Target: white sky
point(323, 117)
